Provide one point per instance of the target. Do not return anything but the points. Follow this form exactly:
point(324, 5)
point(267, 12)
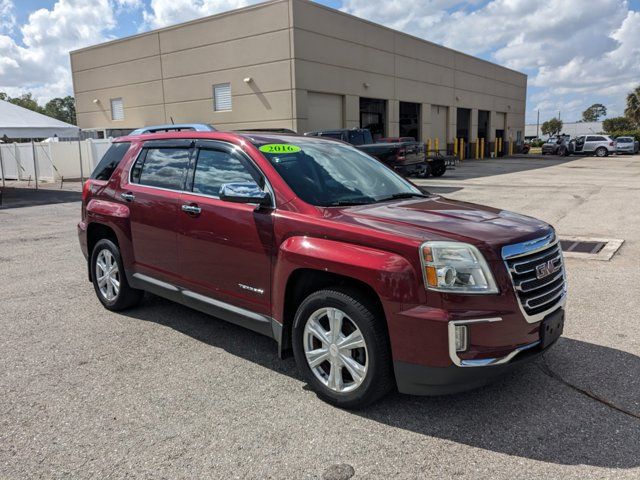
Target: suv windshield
point(327, 173)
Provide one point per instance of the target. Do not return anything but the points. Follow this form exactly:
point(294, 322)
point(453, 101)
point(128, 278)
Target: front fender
point(391, 276)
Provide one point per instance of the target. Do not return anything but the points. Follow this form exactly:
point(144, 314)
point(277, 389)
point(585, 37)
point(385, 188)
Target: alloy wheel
point(335, 350)
point(107, 275)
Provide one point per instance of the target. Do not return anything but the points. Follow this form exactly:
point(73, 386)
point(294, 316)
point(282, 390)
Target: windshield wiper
point(398, 196)
point(349, 203)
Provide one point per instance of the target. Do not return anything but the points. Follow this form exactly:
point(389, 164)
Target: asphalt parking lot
point(162, 391)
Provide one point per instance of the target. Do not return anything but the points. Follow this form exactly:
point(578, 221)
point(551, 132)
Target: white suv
point(600, 145)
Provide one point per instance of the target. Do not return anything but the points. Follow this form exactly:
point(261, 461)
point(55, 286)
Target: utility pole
point(538, 125)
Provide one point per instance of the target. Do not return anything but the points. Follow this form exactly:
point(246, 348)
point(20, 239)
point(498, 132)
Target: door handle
point(191, 209)
point(129, 197)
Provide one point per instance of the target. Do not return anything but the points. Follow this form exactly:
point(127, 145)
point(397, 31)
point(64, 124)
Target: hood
point(438, 218)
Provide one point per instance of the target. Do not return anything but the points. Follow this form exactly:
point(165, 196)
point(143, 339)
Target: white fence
point(53, 160)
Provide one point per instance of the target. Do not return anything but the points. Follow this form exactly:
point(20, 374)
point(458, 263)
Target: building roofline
point(195, 21)
point(414, 37)
point(274, 2)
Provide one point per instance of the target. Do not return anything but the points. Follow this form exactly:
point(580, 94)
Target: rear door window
point(110, 161)
point(214, 168)
point(162, 168)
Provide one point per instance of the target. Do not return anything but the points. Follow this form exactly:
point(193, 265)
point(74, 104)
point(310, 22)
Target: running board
point(239, 316)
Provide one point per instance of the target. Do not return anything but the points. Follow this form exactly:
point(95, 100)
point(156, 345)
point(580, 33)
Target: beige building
point(298, 65)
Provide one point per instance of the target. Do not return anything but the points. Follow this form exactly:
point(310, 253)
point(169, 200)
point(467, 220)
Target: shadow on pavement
point(526, 414)
point(29, 197)
point(469, 169)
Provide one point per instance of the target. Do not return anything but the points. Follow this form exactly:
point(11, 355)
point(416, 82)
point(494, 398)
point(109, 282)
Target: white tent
point(18, 122)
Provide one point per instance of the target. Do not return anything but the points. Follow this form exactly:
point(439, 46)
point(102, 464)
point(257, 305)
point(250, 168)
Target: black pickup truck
point(403, 154)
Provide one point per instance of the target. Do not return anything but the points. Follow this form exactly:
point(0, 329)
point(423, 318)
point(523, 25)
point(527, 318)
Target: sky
point(575, 52)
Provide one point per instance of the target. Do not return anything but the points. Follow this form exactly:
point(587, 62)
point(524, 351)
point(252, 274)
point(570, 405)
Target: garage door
point(325, 111)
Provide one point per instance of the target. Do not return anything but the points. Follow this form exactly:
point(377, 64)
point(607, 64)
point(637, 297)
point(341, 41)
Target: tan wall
point(170, 73)
point(288, 48)
point(338, 53)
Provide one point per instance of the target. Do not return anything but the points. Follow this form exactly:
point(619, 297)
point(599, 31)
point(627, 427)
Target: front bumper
point(464, 373)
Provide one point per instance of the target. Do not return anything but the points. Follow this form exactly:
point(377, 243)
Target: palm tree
point(632, 112)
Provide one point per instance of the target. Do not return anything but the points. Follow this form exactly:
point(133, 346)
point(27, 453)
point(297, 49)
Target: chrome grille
point(536, 296)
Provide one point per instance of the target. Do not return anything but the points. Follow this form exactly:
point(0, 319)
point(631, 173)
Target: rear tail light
point(401, 155)
point(86, 189)
point(611, 144)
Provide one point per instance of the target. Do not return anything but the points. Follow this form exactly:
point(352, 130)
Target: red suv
point(372, 283)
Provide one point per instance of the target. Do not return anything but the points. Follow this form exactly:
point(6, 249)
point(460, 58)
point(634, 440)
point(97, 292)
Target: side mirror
point(245, 192)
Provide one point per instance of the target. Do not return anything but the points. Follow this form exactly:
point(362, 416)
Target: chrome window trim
point(509, 252)
point(140, 153)
point(223, 145)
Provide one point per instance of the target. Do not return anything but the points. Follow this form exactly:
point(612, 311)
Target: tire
point(438, 170)
point(369, 359)
point(601, 152)
point(115, 297)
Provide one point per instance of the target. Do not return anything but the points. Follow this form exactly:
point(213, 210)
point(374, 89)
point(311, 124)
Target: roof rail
point(177, 127)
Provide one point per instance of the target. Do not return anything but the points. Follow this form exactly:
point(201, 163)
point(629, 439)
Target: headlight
point(455, 267)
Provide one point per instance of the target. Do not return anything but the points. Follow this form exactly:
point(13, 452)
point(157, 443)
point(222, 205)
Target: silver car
point(627, 145)
point(598, 145)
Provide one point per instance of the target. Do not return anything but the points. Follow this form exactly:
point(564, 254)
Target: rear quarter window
point(110, 161)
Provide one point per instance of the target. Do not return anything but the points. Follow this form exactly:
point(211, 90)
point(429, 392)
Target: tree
point(594, 112)
point(632, 112)
point(617, 124)
point(27, 101)
point(552, 127)
point(64, 109)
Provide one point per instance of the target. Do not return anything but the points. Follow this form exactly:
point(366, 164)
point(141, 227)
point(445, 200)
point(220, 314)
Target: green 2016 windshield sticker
point(279, 148)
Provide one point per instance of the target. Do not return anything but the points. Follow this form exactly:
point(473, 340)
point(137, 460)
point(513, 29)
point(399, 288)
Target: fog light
point(462, 338)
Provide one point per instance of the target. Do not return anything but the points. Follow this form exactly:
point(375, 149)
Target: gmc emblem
point(547, 268)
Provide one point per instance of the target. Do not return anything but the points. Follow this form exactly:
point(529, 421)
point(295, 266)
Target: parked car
point(627, 145)
point(556, 146)
point(598, 145)
point(407, 157)
point(370, 282)
point(396, 139)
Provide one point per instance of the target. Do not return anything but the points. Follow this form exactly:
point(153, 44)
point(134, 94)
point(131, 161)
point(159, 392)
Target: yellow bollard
point(437, 145)
point(482, 148)
point(455, 146)
point(499, 145)
point(495, 148)
point(461, 149)
point(477, 147)
point(428, 146)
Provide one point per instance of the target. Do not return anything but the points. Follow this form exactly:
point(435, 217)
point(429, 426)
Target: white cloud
point(169, 12)
point(7, 16)
point(568, 47)
point(40, 62)
point(575, 53)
